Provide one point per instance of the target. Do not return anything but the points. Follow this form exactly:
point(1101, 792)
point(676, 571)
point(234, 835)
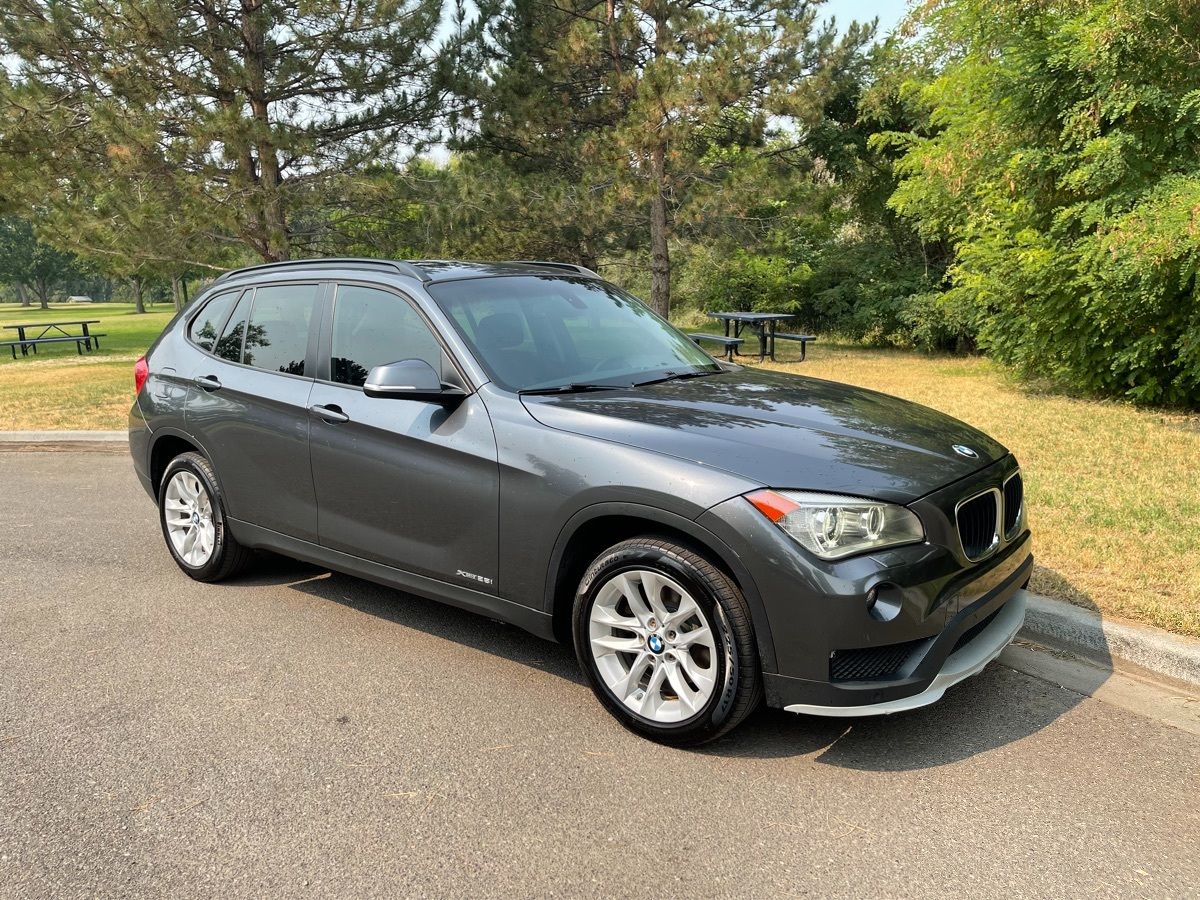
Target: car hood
point(784, 431)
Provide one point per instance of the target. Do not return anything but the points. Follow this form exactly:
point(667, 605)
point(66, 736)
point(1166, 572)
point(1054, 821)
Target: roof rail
point(570, 267)
point(403, 268)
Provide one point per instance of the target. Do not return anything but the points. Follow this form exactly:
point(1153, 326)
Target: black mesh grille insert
point(977, 525)
point(1014, 496)
point(868, 663)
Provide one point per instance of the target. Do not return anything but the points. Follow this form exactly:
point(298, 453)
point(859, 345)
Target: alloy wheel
point(653, 646)
point(188, 513)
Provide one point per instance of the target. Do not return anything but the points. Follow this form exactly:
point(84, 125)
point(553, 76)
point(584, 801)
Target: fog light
point(884, 602)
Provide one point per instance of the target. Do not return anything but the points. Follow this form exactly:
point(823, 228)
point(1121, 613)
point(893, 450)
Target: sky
point(890, 12)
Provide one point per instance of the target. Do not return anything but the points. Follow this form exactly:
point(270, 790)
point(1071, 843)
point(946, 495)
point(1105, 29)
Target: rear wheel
point(665, 640)
point(193, 521)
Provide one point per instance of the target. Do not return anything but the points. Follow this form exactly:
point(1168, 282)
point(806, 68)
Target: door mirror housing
point(411, 379)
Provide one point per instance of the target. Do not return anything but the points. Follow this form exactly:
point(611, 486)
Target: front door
point(248, 407)
point(402, 482)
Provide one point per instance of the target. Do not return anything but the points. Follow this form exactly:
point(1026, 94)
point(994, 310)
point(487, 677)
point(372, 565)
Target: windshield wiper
point(574, 388)
point(677, 376)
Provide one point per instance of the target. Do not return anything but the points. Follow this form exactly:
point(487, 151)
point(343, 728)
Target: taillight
point(141, 371)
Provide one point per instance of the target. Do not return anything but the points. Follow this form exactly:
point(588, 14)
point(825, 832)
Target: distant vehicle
point(79, 298)
point(530, 442)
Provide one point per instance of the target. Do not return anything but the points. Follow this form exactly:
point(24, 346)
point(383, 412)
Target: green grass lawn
point(1113, 493)
point(129, 334)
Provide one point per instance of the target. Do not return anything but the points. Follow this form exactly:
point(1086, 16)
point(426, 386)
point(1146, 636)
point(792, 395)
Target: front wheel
point(192, 515)
point(665, 641)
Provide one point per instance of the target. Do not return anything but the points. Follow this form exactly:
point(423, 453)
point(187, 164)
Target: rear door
point(403, 482)
point(248, 407)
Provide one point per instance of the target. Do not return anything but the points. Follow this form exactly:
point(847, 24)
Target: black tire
point(228, 557)
point(738, 690)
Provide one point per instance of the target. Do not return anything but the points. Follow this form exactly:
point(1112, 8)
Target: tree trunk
point(588, 258)
point(610, 19)
point(139, 303)
point(43, 292)
point(23, 294)
point(660, 234)
point(177, 292)
point(271, 178)
point(660, 215)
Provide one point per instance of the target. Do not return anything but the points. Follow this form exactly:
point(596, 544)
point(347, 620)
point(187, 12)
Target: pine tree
point(209, 118)
point(629, 98)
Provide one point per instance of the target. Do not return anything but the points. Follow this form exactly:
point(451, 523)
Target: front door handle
point(209, 382)
point(329, 413)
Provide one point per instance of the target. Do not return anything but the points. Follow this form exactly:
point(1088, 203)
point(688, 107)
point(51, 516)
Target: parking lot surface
point(298, 732)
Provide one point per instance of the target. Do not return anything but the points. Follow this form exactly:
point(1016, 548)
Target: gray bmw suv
point(527, 441)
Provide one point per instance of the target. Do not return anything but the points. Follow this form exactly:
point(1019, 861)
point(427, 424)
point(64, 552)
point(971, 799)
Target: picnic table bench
point(730, 344)
point(802, 338)
point(762, 324)
point(53, 333)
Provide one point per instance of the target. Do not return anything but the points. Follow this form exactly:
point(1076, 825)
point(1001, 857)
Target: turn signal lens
point(832, 526)
point(141, 371)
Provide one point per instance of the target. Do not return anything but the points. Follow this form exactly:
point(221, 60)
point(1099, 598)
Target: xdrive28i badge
point(965, 451)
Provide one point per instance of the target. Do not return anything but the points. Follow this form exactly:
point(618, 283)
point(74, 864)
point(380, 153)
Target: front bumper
point(815, 620)
point(968, 660)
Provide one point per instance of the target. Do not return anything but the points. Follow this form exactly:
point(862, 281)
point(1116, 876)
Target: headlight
point(832, 526)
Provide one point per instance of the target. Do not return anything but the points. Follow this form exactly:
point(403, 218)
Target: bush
point(1066, 174)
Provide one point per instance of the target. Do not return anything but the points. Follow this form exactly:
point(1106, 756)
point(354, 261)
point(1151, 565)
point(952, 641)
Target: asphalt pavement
point(301, 733)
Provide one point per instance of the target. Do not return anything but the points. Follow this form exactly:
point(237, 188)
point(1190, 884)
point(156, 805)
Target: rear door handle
point(209, 382)
point(329, 413)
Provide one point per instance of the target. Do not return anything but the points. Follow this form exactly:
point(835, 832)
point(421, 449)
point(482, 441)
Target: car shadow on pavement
point(997, 707)
point(434, 618)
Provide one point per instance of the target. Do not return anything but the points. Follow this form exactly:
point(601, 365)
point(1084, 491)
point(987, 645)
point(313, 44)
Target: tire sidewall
point(639, 556)
point(197, 466)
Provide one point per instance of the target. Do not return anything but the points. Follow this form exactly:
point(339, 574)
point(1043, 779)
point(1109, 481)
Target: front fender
point(698, 534)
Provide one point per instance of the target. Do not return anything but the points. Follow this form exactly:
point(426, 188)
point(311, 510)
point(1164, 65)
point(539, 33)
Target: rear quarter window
point(206, 327)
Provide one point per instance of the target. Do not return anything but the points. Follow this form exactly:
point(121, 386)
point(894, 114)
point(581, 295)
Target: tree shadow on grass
point(997, 707)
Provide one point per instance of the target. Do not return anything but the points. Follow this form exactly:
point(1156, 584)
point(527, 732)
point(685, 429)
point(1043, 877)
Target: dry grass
point(92, 393)
point(1113, 492)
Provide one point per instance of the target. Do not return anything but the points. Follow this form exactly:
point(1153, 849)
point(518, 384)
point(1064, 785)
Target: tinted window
point(539, 331)
point(230, 345)
point(277, 336)
point(372, 327)
point(207, 325)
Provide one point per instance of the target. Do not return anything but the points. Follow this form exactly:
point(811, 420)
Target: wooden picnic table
point(762, 324)
point(52, 333)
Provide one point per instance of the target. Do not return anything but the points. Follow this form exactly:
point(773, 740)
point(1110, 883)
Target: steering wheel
point(607, 363)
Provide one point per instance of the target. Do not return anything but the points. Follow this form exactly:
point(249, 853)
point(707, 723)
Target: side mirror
point(411, 379)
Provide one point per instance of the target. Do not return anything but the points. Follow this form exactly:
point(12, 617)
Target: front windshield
point(533, 332)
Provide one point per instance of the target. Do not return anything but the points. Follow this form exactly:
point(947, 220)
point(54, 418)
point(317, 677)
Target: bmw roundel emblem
point(655, 643)
point(965, 451)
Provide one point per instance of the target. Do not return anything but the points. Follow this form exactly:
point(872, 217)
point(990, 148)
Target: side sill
point(532, 620)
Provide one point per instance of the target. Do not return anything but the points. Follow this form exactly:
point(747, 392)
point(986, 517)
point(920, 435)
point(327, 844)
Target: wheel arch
point(167, 445)
point(598, 527)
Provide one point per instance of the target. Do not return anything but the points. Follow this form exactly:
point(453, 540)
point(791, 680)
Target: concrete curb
point(57, 441)
point(1083, 632)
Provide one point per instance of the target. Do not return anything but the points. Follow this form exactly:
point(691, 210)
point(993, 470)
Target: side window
point(373, 327)
point(206, 326)
point(277, 334)
point(230, 344)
